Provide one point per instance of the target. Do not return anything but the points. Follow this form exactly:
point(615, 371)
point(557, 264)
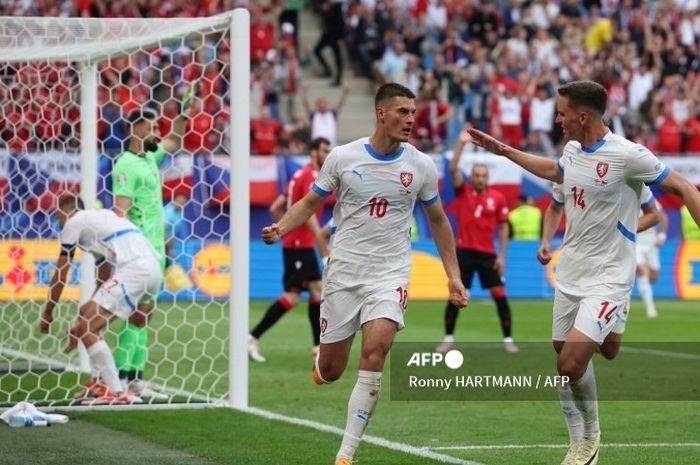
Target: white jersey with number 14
point(601, 195)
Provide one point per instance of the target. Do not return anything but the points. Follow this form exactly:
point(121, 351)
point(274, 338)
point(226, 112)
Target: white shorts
point(595, 316)
point(648, 255)
point(131, 284)
point(345, 310)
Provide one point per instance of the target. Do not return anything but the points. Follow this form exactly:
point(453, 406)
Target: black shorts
point(300, 267)
point(481, 262)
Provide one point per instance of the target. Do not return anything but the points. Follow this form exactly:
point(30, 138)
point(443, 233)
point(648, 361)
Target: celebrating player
point(377, 181)
point(138, 195)
point(602, 176)
point(479, 211)
point(301, 270)
point(128, 294)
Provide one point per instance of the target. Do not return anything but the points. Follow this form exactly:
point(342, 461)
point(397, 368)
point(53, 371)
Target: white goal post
point(32, 366)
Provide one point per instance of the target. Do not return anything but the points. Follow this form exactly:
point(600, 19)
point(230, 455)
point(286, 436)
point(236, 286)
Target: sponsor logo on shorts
point(324, 325)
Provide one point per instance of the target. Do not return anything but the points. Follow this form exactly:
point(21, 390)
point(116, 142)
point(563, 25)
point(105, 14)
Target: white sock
point(646, 293)
point(586, 399)
point(102, 361)
point(449, 338)
point(362, 402)
point(574, 420)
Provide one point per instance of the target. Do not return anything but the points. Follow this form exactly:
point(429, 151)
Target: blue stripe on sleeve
point(320, 191)
point(660, 178)
point(429, 202)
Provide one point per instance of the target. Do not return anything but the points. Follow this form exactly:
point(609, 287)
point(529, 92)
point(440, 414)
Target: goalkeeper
point(138, 195)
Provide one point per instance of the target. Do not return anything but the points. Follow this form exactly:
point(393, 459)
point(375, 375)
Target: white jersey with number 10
point(376, 195)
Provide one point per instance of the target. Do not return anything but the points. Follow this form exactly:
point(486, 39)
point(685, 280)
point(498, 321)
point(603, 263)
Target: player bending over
point(116, 241)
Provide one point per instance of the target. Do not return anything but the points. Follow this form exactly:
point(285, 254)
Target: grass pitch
point(488, 433)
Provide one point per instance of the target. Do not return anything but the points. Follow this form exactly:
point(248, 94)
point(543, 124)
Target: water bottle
point(20, 420)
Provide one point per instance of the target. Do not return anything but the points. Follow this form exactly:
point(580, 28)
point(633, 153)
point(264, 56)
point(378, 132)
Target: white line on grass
point(375, 440)
point(661, 353)
point(559, 446)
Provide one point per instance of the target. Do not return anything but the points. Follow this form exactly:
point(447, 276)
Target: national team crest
point(602, 168)
point(324, 325)
point(406, 178)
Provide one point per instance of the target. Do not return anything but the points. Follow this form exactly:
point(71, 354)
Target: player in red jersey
point(301, 271)
point(480, 210)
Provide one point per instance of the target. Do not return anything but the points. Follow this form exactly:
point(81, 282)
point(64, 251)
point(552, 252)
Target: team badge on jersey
point(406, 178)
point(324, 325)
point(602, 169)
point(121, 178)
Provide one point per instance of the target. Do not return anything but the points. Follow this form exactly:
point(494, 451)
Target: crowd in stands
point(496, 64)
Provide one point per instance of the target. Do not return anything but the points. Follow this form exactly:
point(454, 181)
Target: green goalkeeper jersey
point(138, 179)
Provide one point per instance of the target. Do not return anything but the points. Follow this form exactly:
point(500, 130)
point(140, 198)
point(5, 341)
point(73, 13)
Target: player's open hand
point(544, 255)
point(271, 234)
point(459, 296)
point(45, 324)
point(487, 142)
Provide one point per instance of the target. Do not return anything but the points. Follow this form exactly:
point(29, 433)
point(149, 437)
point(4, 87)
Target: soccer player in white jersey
point(648, 263)
point(114, 241)
point(377, 182)
point(602, 175)
point(611, 346)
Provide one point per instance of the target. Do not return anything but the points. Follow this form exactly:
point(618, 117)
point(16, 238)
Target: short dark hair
point(71, 202)
point(392, 90)
point(139, 116)
point(317, 142)
point(585, 94)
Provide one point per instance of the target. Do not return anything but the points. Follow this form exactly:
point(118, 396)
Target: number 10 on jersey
point(378, 207)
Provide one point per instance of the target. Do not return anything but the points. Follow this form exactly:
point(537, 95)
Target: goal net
point(67, 87)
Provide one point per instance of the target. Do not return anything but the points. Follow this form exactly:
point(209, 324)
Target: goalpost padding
point(60, 78)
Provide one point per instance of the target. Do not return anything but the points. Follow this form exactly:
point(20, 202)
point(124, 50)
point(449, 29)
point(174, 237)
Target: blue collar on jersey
point(595, 146)
point(379, 156)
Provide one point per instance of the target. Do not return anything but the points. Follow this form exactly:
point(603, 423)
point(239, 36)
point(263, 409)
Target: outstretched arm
point(550, 222)
point(173, 142)
point(539, 166)
point(297, 215)
point(677, 184)
point(442, 235)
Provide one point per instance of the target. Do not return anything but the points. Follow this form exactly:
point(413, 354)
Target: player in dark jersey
point(301, 270)
point(480, 210)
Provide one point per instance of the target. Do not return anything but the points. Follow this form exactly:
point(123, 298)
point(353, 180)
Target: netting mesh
point(142, 64)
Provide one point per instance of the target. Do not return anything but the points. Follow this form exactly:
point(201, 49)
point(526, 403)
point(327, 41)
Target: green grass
point(283, 385)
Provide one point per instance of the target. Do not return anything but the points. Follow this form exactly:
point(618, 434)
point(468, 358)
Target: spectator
point(333, 34)
point(263, 133)
point(509, 115)
point(288, 74)
point(323, 120)
point(394, 62)
point(542, 110)
point(669, 131)
point(692, 132)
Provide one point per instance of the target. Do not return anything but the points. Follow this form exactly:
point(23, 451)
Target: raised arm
point(343, 98)
point(444, 240)
point(297, 215)
point(539, 166)
point(173, 142)
point(463, 139)
point(550, 223)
